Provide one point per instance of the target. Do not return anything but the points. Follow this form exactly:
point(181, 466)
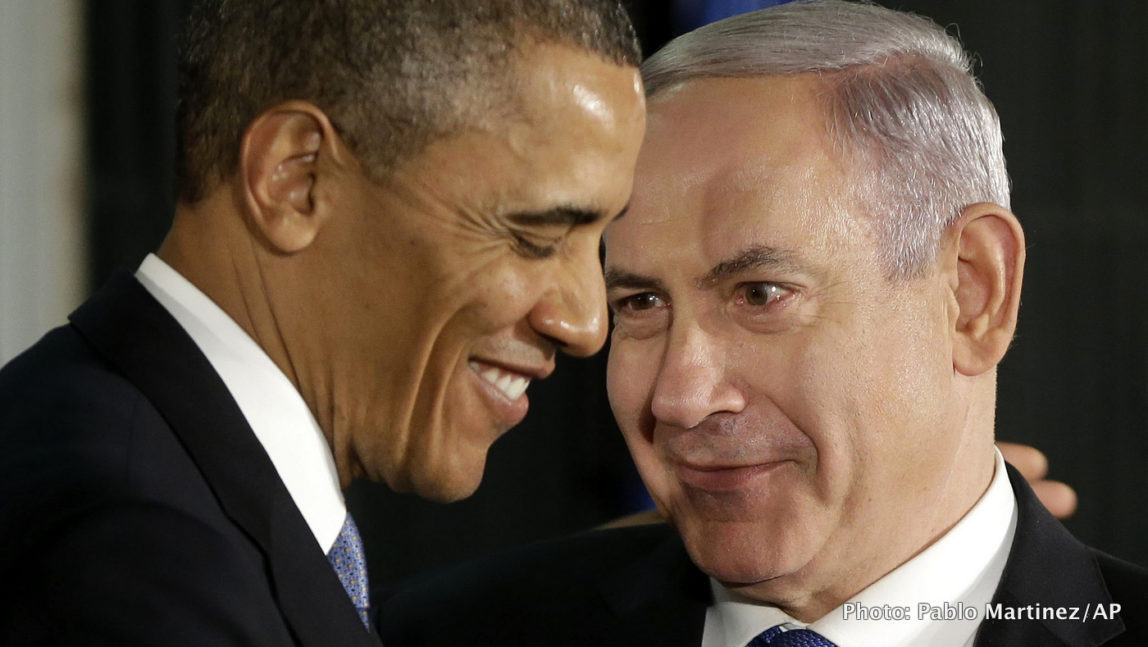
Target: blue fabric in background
point(691, 14)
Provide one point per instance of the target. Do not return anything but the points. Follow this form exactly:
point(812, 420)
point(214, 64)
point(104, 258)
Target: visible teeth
point(503, 383)
point(517, 387)
point(511, 385)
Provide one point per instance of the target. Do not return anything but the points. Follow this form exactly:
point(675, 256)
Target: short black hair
point(392, 75)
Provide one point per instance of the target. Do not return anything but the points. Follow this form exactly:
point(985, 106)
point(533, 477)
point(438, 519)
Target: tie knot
point(779, 637)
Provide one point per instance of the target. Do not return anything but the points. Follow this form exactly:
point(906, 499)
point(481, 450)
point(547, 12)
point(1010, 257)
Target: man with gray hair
point(815, 282)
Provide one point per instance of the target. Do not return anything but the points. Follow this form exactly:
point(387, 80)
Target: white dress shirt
point(964, 566)
point(273, 408)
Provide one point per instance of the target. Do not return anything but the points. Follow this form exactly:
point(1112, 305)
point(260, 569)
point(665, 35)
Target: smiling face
point(788, 406)
point(452, 285)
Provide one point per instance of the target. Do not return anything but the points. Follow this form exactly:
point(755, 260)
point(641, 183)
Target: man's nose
point(572, 313)
point(694, 380)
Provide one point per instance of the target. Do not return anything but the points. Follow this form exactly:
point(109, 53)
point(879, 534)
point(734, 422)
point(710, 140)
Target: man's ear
point(988, 243)
point(280, 162)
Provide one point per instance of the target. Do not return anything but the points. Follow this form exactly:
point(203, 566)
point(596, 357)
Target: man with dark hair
point(388, 224)
point(813, 287)
point(391, 76)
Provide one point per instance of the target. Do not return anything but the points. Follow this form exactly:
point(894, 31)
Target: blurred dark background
point(1070, 80)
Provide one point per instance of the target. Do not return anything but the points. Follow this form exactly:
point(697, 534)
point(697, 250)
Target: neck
point(211, 246)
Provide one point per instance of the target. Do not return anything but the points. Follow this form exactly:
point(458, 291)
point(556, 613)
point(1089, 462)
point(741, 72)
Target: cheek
point(811, 383)
point(863, 400)
point(630, 374)
point(902, 373)
point(494, 295)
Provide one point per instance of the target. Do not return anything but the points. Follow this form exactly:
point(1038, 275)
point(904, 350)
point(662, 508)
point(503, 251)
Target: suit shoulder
point(1122, 575)
point(58, 384)
point(75, 435)
point(103, 512)
point(60, 402)
point(1127, 583)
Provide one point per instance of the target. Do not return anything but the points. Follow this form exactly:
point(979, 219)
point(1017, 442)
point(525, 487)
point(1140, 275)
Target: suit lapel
point(660, 600)
point(1049, 567)
point(138, 336)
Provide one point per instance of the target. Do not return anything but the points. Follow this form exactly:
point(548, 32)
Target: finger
point(1029, 461)
point(1057, 497)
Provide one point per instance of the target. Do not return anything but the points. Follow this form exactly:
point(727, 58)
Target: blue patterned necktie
point(779, 637)
point(346, 557)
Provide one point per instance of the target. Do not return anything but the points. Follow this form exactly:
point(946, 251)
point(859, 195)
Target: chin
point(448, 492)
point(733, 569)
point(742, 553)
point(452, 481)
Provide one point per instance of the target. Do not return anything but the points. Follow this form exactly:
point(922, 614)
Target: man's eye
point(535, 249)
point(637, 302)
point(763, 293)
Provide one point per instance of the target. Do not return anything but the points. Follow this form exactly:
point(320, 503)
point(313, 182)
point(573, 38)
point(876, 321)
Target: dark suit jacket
point(637, 586)
point(136, 505)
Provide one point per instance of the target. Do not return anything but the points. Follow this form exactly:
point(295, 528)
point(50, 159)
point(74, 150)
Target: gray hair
point(902, 106)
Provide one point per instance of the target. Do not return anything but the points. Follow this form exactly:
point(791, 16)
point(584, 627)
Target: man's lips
point(721, 478)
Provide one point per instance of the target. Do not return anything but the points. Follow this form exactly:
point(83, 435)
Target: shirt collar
point(269, 401)
point(963, 566)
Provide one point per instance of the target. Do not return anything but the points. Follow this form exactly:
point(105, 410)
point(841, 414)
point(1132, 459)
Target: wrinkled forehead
point(727, 162)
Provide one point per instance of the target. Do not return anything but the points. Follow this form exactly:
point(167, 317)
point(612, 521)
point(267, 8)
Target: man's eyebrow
point(565, 216)
point(616, 278)
point(756, 257)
